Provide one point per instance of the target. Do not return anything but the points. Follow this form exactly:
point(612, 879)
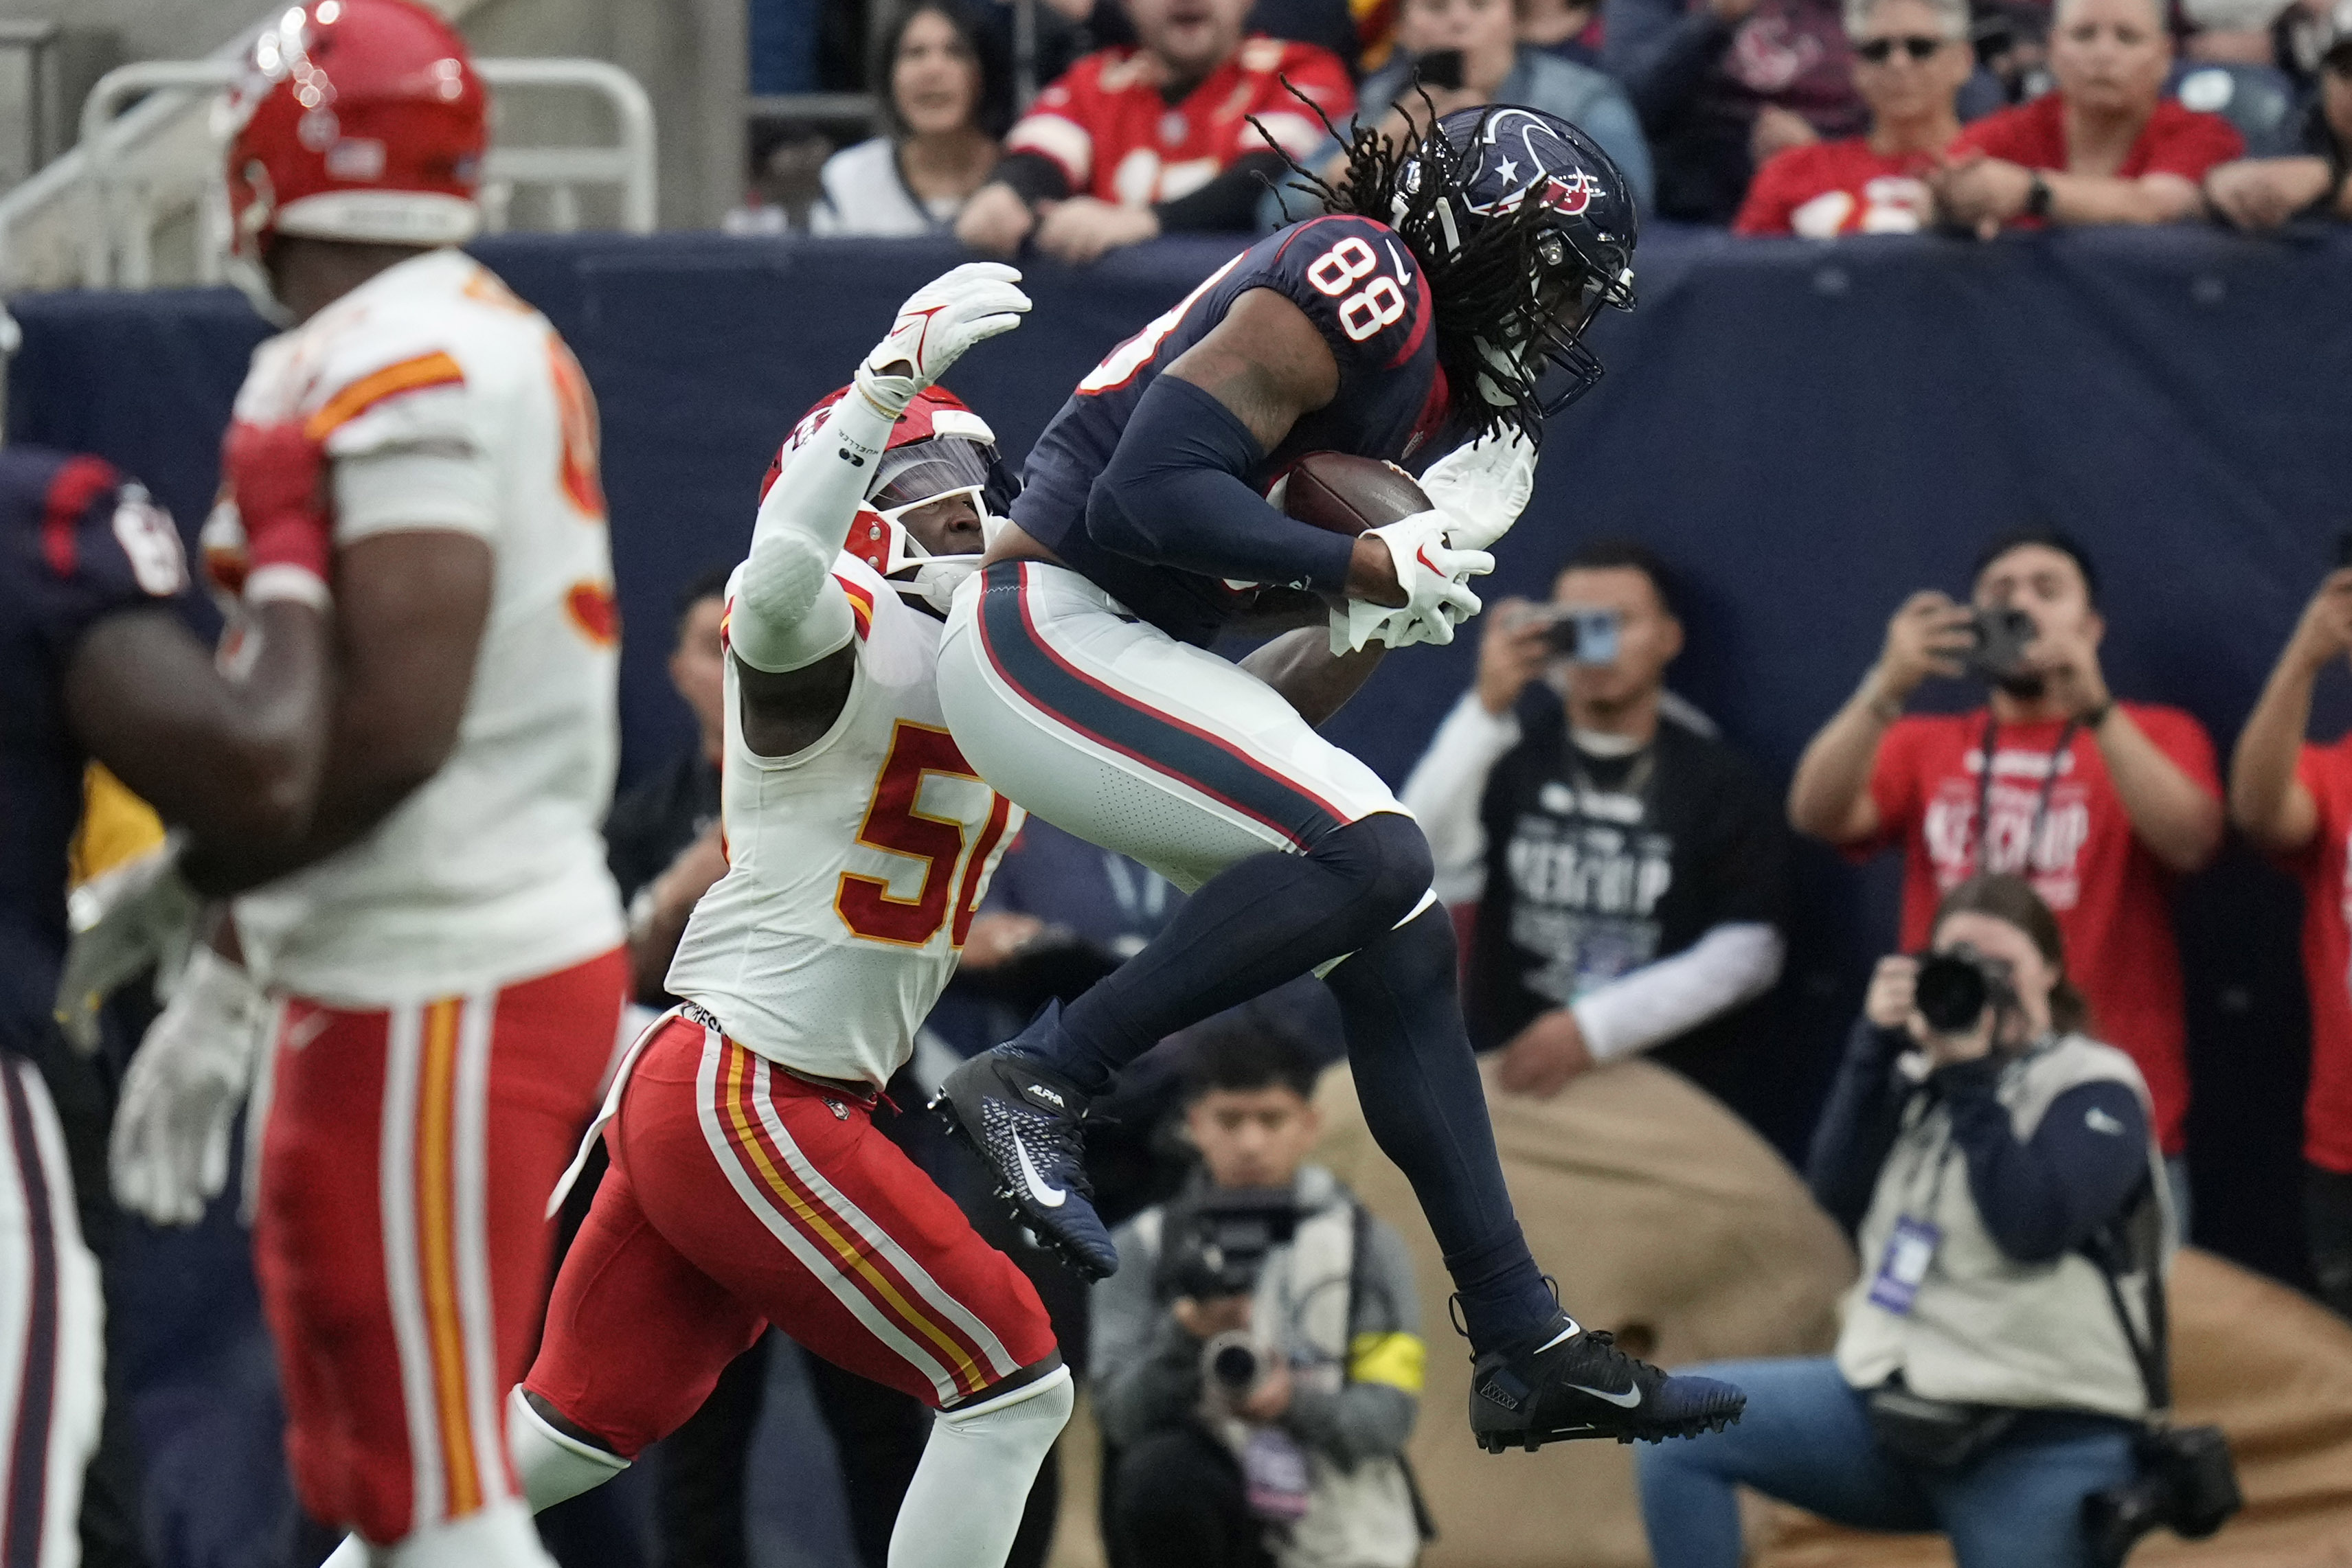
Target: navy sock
point(1417, 1079)
point(1256, 924)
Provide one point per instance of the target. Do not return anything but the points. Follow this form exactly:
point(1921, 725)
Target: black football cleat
point(1564, 1381)
point(1022, 1119)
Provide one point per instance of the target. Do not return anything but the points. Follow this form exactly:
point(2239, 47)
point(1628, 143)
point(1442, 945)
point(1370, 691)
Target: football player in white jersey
point(442, 947)
point(748, 1183)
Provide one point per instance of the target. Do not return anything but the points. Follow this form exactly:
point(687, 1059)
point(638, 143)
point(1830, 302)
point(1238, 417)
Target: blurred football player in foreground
point(1446, 277)
point(442, 941)
point(96, 661)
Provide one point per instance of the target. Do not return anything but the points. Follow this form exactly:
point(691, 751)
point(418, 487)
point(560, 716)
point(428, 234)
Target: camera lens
point(1951, 993)
point(1234, 1365)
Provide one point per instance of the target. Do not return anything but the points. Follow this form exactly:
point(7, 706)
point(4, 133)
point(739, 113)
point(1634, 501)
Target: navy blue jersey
point(1356, 281)
point(77, 543)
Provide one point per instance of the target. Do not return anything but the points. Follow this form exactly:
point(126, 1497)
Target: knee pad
point(1387, 856)
point(553, 1467)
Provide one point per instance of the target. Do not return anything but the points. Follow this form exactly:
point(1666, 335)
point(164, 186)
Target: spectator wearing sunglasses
point(1911, 57)
point(2261, 194)
point(2105, 148)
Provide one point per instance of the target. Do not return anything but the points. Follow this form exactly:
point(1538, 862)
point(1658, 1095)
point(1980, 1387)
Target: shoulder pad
point(1358, 282)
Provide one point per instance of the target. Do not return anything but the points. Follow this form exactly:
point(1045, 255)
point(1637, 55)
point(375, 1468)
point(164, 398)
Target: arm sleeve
point(1227, 202)
point(1032, 176)
point(1445, 787)
point(2041, 1196)
point(1660, 52)
point(1858, 1124)
point(1149, 1368)
point(407, 455)
point(787, 612)
point(1174, 494)
point(1372, 1414)
point(1658, 1002)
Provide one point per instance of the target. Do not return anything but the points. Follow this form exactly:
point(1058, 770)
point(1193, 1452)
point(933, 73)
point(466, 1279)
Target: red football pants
point(401, 1239)
point(739, 1196)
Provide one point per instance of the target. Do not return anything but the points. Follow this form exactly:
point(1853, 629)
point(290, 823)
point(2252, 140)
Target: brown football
point(1347, 495)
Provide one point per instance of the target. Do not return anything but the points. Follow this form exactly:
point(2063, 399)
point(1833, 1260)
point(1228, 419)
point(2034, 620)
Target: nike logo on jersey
point(1404, 273)
point(2098, 1120)
point(1049, 1196)
point(300, 1034)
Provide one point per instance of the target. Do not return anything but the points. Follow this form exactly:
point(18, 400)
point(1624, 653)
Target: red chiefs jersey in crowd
point(2326, 870)
point(2054, 817)
point(1114, 135)
point(1832, 188)
point(2175, 140)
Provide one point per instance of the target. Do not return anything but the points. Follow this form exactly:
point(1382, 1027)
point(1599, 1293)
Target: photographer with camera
point(1256, 1357)
point(2098, 803)
point(1629, 868)
point(2000, 1372)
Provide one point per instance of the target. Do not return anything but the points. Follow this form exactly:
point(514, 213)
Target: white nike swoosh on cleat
point(1629, 1400)
point(1570, 1332)
point(1051, 1197)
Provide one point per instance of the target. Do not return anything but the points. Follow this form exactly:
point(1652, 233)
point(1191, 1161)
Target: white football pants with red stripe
point(52, 1329)
point(402, 1243)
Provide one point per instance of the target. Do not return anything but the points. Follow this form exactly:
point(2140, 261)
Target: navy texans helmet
point(1504, 173)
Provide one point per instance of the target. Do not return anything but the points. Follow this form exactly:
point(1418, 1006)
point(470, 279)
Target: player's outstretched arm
point(789, 626)
point(233, 761)
point(411, 607)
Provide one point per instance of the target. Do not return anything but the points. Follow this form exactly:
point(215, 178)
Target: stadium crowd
point(1619, 871)
point(1773, 117)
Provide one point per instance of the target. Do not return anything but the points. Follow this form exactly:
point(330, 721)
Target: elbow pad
point(788, 611)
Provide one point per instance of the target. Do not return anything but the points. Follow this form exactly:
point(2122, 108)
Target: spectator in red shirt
point(2294, 800)
point(1910, 60)
point(2106, 147)
point(2098, 803)
point(1134, 142)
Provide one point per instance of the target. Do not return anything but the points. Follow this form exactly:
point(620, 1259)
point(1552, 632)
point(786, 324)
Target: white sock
point(554, 1468)
point(965, 1503)
point(496, 1535)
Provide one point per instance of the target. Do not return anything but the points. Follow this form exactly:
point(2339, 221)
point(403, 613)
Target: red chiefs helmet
point(357, 120)
point(939, 448)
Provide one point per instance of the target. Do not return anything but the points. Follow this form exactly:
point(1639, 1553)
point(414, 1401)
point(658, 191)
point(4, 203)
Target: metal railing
point(34, 40)
point(118, 238)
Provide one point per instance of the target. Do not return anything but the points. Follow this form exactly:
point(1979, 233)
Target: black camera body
point(2001, 632)
point(1954, 988)
point(1216, 1244)
point(2188, 1483)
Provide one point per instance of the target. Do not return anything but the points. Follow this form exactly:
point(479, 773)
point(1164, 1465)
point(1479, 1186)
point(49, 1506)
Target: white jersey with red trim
point(447, 404)
point(854, 866)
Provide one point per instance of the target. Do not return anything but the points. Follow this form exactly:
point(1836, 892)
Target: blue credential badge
point(1908, 1252)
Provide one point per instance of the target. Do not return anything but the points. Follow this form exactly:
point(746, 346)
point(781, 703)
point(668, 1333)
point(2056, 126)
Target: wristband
point(284, 580)
point(2037, 197)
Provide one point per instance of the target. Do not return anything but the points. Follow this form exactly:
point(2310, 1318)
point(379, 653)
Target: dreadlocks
point(1490, 320)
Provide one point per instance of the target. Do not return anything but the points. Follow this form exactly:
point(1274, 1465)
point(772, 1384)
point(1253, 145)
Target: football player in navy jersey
point(97, 661)
point(1442, 296)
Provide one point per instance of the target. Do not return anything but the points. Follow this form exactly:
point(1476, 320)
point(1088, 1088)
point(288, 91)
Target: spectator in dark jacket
point(2258, 194)
point(1723, 85)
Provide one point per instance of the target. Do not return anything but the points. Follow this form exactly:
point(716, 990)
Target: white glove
point(935, 326)
point(141, 913)
point(169, 1154)
point(1430, 572)
point(1483, 486)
